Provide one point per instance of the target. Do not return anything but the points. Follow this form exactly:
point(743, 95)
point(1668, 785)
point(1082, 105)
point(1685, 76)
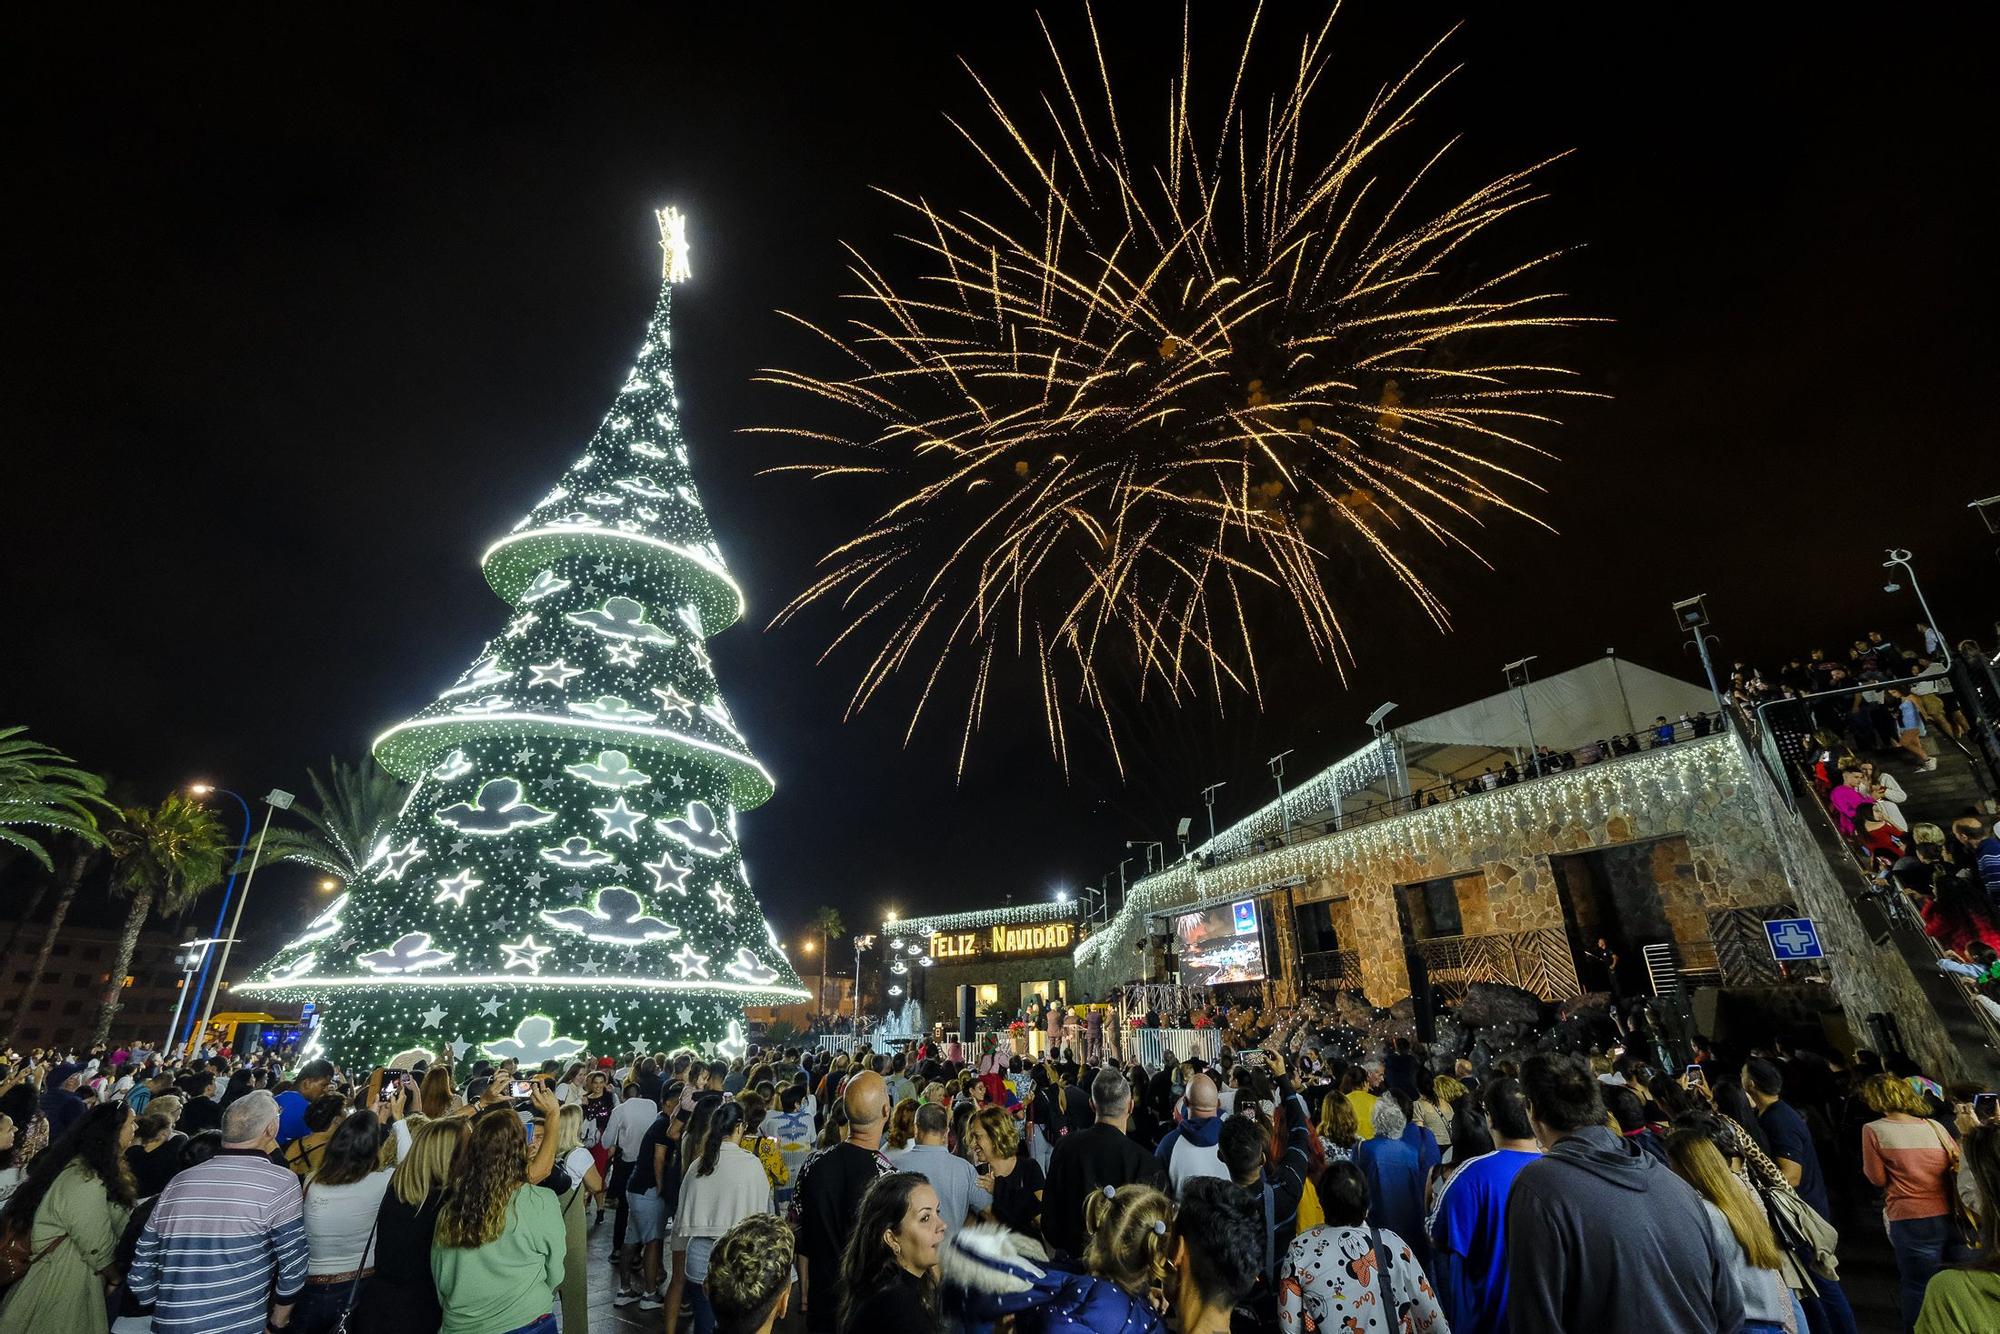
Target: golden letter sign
point(1008, 941)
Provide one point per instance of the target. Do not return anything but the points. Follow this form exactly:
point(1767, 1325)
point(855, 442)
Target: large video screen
point(1220, 944)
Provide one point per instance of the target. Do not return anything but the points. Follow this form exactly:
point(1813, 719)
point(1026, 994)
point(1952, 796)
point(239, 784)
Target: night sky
point(299, 320)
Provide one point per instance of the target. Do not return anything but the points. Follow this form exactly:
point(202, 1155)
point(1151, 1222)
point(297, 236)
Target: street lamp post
point(277, 799)
point(1899, 557)
point(228, 895)
point(860, 943)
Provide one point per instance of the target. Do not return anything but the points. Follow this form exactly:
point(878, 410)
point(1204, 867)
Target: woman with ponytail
point(723, 1185)
point(987, 1273)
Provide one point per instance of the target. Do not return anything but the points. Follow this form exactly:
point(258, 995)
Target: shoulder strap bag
point(1962, 1221)
point(354, 1288)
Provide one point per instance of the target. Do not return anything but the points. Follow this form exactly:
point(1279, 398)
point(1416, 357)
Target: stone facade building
point(1686, 847)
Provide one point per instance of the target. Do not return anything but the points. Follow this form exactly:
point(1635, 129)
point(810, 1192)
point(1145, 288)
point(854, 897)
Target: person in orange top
point(1909, 1155)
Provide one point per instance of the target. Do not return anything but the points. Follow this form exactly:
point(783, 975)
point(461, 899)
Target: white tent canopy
point(1603, 698)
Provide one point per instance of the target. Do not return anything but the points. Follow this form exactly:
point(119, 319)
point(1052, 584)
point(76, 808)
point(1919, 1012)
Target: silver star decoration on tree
point(624, 576)
point(686, 1015)
point(574, 892)
point(526, 954)
point(700, 651)
point(608, 1021)
point(622, 655)
point(691, 964)
point(519, 625)
point(589, 592)
point(631, 958)
point(677, 780)
point(667, 875)
point(490, 1006)
point(509, 854)
point(397, 862)
point(356, 1026)
point(592, 967)
point(673, 701)
point(548, 783)
point(620, 819)
point(458, 1050)
point(453, 889)
point(534, 879)
point(524, 756)
point(556, 674)
point(432, 1017)
point(724, 904)
point(602, 567)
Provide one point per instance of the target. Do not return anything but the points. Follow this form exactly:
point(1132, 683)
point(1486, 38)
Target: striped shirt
point(221, 1233)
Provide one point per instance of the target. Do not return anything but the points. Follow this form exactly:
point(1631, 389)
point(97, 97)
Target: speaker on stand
point(968, 1015)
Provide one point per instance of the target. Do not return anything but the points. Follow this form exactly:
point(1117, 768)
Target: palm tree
point(166, 857)
point(40, 787)
point(82, 853)
point(357, 807)
point(827, 922)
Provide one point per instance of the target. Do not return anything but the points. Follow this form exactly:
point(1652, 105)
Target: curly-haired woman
point(497, 1256)
point(79, 1194)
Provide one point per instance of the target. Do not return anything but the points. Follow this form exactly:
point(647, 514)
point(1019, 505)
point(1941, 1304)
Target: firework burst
point(1171, 387)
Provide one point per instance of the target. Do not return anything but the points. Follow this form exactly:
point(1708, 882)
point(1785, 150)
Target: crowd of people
point(1303, 1181)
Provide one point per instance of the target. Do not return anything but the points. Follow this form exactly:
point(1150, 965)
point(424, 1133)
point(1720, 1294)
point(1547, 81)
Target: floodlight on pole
point(1277, 766)
point(1692, 616)
point(1516, 673)
point(1208, 799)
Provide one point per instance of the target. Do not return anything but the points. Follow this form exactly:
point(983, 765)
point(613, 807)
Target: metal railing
point(1904, 923)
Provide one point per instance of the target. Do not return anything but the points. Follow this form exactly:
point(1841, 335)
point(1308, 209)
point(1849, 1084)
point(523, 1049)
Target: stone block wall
point(1737, 847)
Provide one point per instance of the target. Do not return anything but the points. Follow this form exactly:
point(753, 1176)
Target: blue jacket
point(989, 1272)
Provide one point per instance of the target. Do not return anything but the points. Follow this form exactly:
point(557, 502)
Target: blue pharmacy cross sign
point(1793, 939)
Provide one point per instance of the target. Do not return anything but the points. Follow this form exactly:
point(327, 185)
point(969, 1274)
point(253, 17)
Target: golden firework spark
point(1171, 390)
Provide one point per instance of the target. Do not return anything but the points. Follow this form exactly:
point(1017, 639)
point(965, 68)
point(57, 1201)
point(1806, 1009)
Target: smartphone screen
point(520, 1088)
point(1695, 1076)
point(1984, 1105)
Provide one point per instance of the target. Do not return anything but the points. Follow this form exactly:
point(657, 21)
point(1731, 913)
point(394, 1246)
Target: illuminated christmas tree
point(566, 872)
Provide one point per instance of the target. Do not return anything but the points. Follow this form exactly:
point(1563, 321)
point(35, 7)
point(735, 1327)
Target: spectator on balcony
point(1880, 842)
point(1886, 792)
point(1981, 855)
point(1909, 727)
point(1663, 731)
point(1847, 799)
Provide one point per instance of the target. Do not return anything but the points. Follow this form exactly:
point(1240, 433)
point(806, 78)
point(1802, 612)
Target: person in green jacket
point(497, 1255)
point(1967, 1300)
point(79, 1194)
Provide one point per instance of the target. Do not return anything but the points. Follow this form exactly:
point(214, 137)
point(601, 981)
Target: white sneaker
point(625, 1297)
point(1930, 764)
point(652, 1301)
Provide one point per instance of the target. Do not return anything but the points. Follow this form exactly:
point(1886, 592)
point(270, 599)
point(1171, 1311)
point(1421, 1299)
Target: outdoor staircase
point(1936, 797)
